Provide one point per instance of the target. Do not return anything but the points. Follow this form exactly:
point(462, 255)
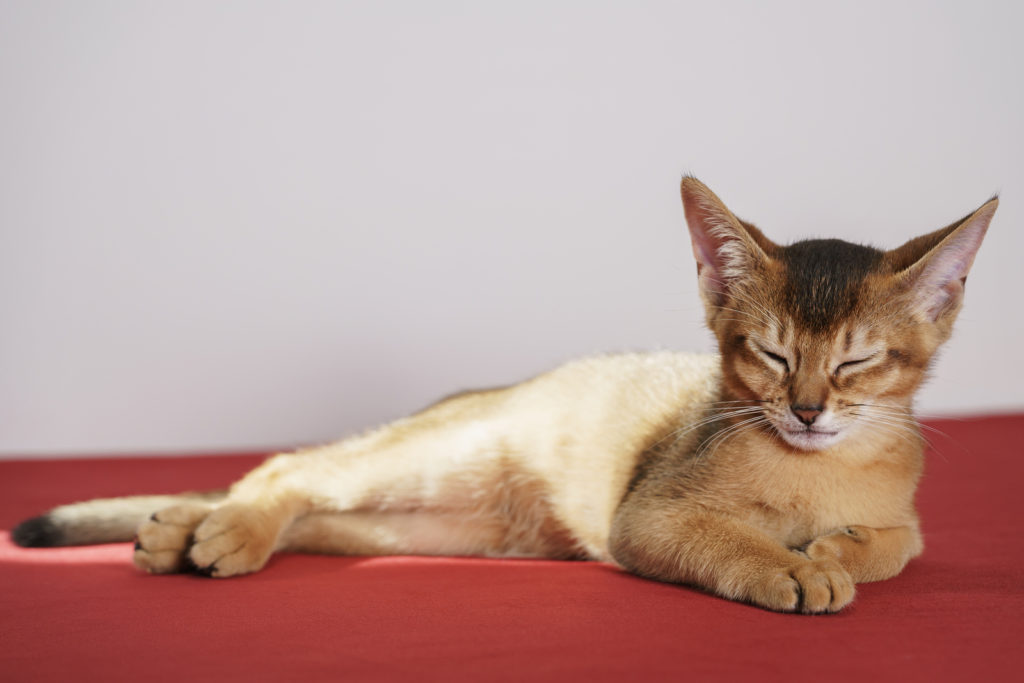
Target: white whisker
point(711, 445)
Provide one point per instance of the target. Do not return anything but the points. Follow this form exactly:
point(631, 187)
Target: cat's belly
point(425, 532)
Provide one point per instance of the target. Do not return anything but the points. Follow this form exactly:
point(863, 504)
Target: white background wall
point(229, 225)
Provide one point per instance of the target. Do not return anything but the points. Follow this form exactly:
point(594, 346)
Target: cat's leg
point(344, 533)
point(435, 459)
point(413, 532)
point(240, 534)
point(276, 506)
point(236, 536)
point(869, 554)
point(727, 556)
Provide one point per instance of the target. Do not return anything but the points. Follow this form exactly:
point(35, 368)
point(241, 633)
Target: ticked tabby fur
point(779, 472)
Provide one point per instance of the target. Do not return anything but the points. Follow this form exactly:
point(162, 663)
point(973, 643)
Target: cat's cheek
point(906, 381)
point(865, 388)
point(761, 381)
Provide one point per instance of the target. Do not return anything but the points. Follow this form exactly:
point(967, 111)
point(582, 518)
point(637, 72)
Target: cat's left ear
point(933, 268)
point(727, 250)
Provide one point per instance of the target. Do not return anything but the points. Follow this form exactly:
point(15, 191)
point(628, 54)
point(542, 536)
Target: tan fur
point(679, 467)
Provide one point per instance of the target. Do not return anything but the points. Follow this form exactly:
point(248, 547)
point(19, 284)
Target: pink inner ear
point(709, 226)
point(705, 250)
point(953, 262)
point(946, 271)
point(705, 246)
point(711, 267)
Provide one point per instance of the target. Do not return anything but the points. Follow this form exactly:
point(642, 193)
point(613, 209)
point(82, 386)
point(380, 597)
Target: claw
point(192, 568)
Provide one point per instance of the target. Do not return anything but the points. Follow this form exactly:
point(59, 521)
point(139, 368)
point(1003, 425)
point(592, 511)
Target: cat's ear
point(726, 248)
point(933, 268)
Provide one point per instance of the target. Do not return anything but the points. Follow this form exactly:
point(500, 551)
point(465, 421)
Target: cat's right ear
point(726, 248)
point(932, 269)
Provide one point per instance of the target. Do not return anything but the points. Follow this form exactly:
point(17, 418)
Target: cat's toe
point(811, 587)
point(824, 586)
point(231, 541)
point(161, 542)
point(776, 591)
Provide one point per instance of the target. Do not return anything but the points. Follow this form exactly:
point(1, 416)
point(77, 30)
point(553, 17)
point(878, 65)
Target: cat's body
point(779, 472)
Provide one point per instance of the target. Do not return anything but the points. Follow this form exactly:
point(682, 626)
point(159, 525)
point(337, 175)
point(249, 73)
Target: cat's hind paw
point(162, 542)
point(233, 540)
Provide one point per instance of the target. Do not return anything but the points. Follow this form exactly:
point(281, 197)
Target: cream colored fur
point(697, 469)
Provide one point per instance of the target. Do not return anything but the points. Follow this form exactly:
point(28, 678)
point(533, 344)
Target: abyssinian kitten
point(780, 471)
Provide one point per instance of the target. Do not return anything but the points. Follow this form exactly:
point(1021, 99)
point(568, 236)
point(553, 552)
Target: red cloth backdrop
point(84, 614)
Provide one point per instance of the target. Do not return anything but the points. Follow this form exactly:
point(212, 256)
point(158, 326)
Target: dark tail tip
point(38, 532)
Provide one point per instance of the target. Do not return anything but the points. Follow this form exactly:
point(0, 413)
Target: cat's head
point(825, 337)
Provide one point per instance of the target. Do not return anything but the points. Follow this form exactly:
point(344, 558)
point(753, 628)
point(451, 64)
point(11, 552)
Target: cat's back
point(620, 391)
point(623, 387)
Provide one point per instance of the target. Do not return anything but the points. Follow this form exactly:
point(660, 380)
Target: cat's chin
point(809, 440)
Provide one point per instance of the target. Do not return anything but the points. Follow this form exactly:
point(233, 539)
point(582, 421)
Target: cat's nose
point(807, 414)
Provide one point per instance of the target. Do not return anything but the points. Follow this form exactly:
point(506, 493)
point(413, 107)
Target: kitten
point(780, 472)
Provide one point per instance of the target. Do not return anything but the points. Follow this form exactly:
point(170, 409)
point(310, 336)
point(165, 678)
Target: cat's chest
point(799, 499)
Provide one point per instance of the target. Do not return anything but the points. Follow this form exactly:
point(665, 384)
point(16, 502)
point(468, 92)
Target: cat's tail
point(103, 520)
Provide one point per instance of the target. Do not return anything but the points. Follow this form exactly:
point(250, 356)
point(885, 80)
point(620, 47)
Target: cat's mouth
point(810, 439)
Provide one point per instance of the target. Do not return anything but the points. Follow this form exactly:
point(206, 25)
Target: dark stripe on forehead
point(823, 279)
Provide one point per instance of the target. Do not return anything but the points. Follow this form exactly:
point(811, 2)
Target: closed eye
point(852, 363)
point(776, 358)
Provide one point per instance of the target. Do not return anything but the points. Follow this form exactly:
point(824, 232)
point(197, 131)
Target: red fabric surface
point(84, 614)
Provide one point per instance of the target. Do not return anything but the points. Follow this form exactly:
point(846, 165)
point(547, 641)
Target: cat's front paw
point(162, 542)
point(233, 540)
point(841, 544)
point(810, 586)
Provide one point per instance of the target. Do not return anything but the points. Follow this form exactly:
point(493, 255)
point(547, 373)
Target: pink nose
point(807, 414)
